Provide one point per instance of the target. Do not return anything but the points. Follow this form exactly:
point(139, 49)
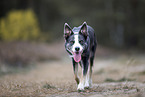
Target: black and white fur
point(81, 41)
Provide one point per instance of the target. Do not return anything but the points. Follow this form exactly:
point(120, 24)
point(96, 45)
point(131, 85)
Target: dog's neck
point(76, 33)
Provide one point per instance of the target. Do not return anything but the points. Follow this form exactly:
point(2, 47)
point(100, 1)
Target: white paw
point(87, 85)
point(80, 87)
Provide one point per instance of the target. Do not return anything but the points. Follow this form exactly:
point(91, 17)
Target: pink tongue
point(77, 57)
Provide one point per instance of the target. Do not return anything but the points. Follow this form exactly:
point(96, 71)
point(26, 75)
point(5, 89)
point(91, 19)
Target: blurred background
point(31, 39)
point(25, 24)
point(117, 23)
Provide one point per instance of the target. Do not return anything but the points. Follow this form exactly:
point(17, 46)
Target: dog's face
point(75, 40)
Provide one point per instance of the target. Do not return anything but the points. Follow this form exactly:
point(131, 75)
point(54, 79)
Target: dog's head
point(75, 40)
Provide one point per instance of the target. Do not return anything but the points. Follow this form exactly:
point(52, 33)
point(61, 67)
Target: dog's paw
point(80, 87)
point(87, 85)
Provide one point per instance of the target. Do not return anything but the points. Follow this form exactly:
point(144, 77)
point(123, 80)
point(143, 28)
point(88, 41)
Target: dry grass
point(21, 56)
point(25, 53)
point(17, 88)
point(118, 76)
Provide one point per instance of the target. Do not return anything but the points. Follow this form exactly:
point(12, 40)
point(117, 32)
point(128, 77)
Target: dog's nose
point(77, 48)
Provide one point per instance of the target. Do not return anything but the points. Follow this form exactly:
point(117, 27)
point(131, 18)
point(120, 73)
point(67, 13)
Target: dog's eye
point(81, 41)
point(72, 42)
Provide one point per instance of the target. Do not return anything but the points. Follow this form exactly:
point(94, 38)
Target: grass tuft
point(142, 73)
point(48, 86)
point(119, 80)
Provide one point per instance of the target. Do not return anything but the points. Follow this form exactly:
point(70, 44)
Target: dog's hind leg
point(91, 63)
point(90, 70)
point(75, 68)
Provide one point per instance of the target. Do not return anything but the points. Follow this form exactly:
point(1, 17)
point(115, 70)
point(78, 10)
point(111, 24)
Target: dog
point(81, 44)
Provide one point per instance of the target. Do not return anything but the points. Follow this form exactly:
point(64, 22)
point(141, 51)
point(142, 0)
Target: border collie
point(81, 43)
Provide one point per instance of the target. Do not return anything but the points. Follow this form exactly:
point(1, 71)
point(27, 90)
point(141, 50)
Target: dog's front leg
point(83, 80)
point(75, 68)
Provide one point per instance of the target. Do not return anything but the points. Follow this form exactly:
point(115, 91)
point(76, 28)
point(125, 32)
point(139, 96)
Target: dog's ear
point(84, 29)
point(67, 31)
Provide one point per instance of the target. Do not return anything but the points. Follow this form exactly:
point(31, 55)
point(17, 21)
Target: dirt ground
point(119, 75)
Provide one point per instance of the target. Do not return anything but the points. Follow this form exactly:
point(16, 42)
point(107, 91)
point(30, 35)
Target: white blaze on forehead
point(76, 44)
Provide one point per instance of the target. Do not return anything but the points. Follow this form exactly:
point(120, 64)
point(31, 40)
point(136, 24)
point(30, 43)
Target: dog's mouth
point(77, 56)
